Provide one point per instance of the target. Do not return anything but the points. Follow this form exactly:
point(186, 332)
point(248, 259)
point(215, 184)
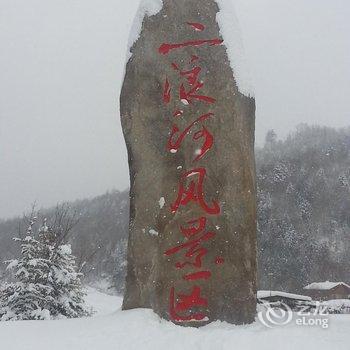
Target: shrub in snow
point(46, 284)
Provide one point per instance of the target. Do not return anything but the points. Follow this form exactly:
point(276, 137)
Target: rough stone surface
point(155, 172)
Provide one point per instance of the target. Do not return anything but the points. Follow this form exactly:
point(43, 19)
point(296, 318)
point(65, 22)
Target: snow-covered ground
point(111, 328)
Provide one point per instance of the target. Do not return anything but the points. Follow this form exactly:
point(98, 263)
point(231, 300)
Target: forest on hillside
point(303, 216)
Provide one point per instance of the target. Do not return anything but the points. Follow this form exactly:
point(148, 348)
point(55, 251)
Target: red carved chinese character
point(194, 192)
point(195, 226)
point(219, 260)
point(194, 58)
point(196, 26)
point(175, 66)
point(191, 94)
point(174, 145)
point(194, 250)
point(178, 113)
point(187, 96)
point(204, 133)
point(192, 75)
point(185, 303)
point(165, 48)
point(197, 276)
point(166, 91)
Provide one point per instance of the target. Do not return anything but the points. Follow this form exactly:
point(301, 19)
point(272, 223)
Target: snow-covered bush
point(337, 306)
point(46, 284)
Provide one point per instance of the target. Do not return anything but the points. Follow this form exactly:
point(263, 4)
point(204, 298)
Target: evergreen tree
point(66, 284)
point(46, 282)
point(303, 208)
point(30, 295)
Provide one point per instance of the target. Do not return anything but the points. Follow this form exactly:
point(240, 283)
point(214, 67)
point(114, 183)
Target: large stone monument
point(188, 122)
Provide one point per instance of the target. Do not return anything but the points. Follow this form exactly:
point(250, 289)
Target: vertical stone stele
point(188, 120)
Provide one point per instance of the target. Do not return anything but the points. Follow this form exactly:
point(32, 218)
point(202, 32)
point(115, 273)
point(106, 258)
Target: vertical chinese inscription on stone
point(191, 188)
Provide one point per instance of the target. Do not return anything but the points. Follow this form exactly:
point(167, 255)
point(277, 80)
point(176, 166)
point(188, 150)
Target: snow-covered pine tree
point(66, 283)
point(67, 290)
point(47, 284)
point(30, 295)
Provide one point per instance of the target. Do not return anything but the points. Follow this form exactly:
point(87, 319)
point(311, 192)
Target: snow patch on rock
point(230, 32)
point(153, 232)
point(146, 8)
point(161, 202)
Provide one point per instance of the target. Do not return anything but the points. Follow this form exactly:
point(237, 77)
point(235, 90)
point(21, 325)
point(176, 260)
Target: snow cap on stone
point(229, 30)
point(231, 33)
point(146, 8)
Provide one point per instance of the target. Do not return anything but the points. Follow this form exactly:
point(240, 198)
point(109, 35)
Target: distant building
point(276, 297)
point(328, 290)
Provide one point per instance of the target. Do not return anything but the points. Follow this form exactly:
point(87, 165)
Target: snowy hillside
point(111, 328)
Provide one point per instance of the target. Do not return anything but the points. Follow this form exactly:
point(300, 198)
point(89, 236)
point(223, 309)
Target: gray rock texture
point(213, 275)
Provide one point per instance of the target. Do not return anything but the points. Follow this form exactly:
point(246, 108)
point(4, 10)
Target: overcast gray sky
point(61, 67)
